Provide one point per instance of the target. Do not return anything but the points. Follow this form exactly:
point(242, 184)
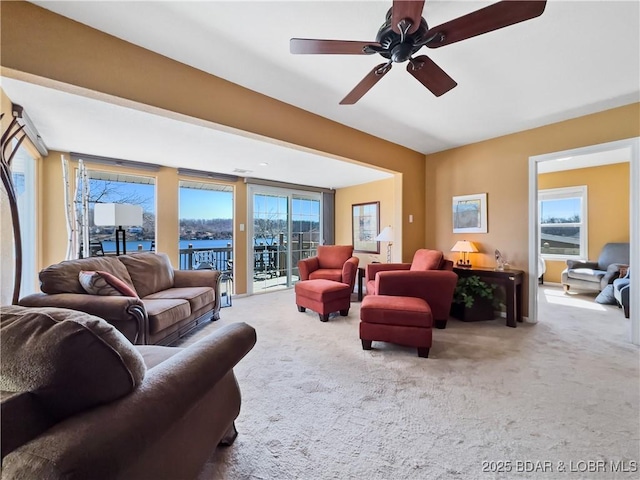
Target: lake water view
point(110, 246)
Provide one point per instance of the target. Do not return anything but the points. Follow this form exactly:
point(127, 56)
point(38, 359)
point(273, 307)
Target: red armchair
point(429, 276)
point(333, 262)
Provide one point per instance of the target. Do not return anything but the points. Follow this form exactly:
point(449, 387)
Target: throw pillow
point(606, 296)
point(69, 360)
point(104, 283)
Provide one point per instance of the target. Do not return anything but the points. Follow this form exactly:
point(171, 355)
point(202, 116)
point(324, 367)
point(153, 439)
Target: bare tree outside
point(112, 191)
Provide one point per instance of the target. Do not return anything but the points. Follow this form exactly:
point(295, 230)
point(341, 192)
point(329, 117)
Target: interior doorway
point(630, 148)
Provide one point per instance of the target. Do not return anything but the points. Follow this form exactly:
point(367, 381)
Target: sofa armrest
point(196, 278)
point(306, 266)
point(127, 314)
point(373, 268)
point(613, 272)
point(113, 439)
point(580, 264)
point(350, 271)
point(436, 287)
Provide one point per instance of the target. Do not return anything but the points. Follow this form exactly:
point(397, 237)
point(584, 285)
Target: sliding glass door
point(285, 227)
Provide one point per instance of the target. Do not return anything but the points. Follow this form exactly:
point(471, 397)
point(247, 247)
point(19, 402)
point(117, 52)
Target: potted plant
point(473, 300)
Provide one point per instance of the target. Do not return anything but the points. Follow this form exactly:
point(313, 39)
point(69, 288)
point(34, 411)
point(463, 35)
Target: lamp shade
point(464, 246)
point(117, 214)
point(386, 235)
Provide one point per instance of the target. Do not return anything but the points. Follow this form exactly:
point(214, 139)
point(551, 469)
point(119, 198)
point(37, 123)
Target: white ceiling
point(75, 123)
point(575, 59)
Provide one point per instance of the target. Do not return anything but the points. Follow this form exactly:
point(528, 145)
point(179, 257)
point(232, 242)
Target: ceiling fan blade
point(366, 83)
point(409, 9)
point(430, 75)
point(347, 47)
point(493, 17)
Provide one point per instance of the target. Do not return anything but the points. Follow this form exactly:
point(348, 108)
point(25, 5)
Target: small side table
point(361, 273)
point(226, 288)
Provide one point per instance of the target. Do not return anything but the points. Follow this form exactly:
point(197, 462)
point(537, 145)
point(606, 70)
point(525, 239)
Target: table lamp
point(465, 248)
point(386, 235)
point(117, 215)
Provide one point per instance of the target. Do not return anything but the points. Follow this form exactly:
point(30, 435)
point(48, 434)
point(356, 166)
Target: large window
point(23, 170)
point(563, 222)
point(108, 187)
point(206, 225)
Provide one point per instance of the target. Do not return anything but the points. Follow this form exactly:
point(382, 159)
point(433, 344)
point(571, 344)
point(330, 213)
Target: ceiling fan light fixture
point(405, 31)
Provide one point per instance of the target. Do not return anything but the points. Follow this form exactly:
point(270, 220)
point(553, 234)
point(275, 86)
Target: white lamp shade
point(117, 214)
point(464, 246)
point(386, 235)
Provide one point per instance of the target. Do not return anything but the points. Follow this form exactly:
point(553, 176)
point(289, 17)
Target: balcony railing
point(219, 258)
point(268, 260)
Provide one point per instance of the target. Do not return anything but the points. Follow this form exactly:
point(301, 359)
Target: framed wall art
point(365, 227)
point(470, 213)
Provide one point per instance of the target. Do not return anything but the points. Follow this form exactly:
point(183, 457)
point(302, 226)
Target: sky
point(209, 204)
point(194, 203)
point(560, 208)
point(206, 204)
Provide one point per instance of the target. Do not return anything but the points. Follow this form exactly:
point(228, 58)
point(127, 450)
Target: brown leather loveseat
point(163, 305)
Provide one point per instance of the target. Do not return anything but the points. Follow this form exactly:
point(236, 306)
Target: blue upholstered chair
point(621, 292)
point(595, 276)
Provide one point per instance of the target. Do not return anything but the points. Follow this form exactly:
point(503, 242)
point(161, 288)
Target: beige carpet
point(316, 406)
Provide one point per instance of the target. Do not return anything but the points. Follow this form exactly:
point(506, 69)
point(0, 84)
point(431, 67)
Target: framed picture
point(470, 213)
point(365, 227)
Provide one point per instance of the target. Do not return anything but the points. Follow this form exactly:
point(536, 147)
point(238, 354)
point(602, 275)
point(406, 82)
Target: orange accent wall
point(383, 191)
point(608, 206)
point(499, 167)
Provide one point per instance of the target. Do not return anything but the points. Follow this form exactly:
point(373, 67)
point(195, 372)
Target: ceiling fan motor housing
point(394, 48)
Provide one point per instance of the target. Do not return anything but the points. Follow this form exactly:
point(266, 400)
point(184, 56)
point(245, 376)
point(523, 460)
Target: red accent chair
point(332, 262)
point(429, 276)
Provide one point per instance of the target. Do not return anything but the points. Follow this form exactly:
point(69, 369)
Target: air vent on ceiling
point(241, 171)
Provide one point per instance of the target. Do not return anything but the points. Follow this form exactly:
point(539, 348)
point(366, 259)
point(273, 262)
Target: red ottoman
point(324, 297)
point(402, 320)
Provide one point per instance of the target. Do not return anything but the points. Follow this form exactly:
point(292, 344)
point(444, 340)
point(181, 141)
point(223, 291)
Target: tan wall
point(499, 167)
point(608, 206)
point(383, 191)
point(77, 55)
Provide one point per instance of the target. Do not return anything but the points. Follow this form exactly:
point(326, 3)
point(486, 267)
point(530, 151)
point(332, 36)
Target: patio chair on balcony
point(95, 249)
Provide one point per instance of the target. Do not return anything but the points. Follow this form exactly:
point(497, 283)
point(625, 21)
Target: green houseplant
point(473, 299)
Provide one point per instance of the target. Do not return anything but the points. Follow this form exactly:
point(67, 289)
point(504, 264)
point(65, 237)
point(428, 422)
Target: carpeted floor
point(487, 400)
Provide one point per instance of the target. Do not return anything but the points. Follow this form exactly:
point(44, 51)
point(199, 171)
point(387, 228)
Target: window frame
point(578, 191)
point(95, 173)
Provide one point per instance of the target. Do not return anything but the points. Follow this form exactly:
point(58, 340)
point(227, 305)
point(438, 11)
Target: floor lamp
point(118, 214)
point(386, 235)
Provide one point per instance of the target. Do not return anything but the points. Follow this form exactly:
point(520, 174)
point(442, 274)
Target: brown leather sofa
point(168, 304)
point(79, 401)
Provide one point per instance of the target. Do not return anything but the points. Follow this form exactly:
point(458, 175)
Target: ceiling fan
point(404, 32)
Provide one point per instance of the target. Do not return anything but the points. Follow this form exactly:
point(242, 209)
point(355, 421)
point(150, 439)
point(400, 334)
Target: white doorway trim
point(633, 144)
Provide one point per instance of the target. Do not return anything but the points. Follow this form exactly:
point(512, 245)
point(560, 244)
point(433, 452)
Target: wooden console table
point(511, 280)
